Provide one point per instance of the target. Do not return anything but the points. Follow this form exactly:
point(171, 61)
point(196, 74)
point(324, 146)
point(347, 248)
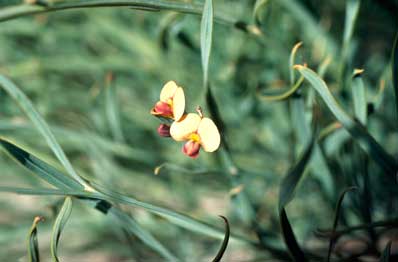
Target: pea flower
point(198, 131)
point(172, 102)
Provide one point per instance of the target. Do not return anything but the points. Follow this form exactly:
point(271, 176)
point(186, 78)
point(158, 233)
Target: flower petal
point(178, 103)
point(209, 136)
point(168, 91)
point(187, 125)
point(191, 149)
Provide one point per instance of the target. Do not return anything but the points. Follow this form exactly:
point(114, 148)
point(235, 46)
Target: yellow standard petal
point(168, 91)
point(188, 124)
point(209, 135)
point(178, 103)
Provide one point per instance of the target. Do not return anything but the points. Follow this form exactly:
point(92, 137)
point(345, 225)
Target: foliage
point(303, 94)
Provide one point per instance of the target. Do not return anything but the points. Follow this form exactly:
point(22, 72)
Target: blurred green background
point(60, 60)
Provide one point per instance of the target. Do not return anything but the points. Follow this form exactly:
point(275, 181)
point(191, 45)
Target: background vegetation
point(93, 75)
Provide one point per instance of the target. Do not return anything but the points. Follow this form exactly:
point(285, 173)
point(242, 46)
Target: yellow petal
point(168, 91)
point(178, 103)
point(188, 124)
point(209, 135)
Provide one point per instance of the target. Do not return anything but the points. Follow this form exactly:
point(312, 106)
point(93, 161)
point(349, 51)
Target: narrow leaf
point(385, 257)
point(134, 228)
point(33, 244)
point(108, 195)
point(59, 225)
point(206, 31)
point(359, 97)
point(336, 220)
point(356, 129)
point(40, 168)
point(259, 6)
point(289, 238)
point(285, 95)
point(112, 110)
point(395, 71)
point(27, 107)
point(224, 245)
point(291, 180)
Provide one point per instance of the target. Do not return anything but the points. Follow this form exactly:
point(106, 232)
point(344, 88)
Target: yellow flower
point(198, 131)
point(172, 102)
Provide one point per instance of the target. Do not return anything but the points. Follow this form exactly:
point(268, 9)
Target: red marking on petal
point(191, 149)
point(163, 109)
point(164, 130)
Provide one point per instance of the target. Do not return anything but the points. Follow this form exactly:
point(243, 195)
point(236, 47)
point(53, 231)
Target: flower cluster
point(197, 131)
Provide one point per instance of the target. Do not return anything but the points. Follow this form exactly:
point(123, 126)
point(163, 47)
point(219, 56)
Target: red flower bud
point(191, 149)
point(163, 109)
point(164, 130)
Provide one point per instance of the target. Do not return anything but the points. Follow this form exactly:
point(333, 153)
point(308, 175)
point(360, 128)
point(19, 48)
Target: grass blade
point(134, 228)
point(27, 107)
point(395, 71)
point(359, 97)
point(225, 241)
point(107, 195)
point(259, 6)
point(289, 238)
point(206, 32)
point(291, 180)
point(336, 219)
point(112, 110)
point(33, 244)
point(40, 168)
point(356, 129)
point(385, 257)
point(59, 225)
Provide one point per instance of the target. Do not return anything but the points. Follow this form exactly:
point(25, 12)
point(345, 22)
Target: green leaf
point(112, 110)
point(258, 7)
point(134, 228)
point(356, 129)
point(224, 245)
point(292, 59)
point(174, 217)
point(359, 97)
point(385, 257)
point(66, 188)
point(291, 180)
point(336, 219)
point(395, 71)
point(289, 238)
point(33, 244)
point(206, 32)
point(59, 225)
point(27, 107)
point(12, 12)
point(285, 95)
point(40, 168)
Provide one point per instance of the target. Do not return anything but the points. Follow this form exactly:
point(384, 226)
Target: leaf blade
point(58, 227)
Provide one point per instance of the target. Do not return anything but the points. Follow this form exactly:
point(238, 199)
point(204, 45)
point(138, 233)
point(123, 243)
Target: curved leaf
point(224, 245)
point(385, 257)
point(259, 6)
point(289, 238)
point(356, 129)
point(59, 225)
point(336, 219)
point(359, 97)
point(33, 244)
point(291, 180)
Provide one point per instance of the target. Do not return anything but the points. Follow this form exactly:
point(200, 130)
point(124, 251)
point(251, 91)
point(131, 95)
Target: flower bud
point(191, 149)
point(164, 130)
